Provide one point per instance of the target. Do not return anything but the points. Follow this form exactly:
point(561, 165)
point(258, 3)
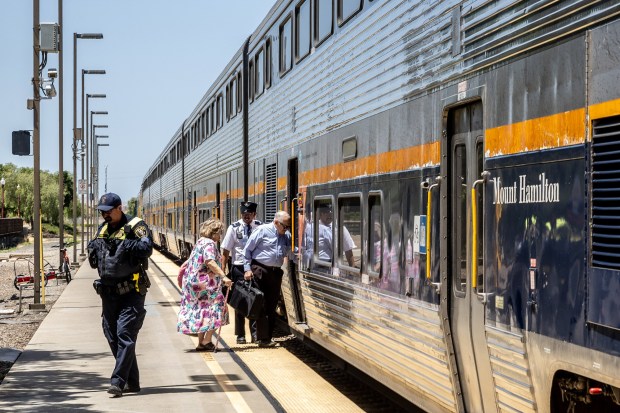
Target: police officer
point(232, 245)
point(120, 252)
point(263, 257)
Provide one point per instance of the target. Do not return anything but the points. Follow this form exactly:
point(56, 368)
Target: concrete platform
point(67, 364)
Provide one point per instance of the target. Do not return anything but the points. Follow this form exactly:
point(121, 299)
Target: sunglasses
point(104, 213)
point(285, 227)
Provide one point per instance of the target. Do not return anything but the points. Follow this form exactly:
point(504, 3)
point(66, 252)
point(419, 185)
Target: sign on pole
point(81, 186)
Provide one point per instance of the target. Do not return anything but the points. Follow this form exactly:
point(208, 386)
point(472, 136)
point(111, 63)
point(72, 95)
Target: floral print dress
point(202, 303)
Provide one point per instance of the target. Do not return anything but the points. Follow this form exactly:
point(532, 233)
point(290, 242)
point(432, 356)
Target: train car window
point(350, 231)
point(460, 218)
point(375, 234)
point(252, 79)
point(480, 205)
point(323, 20)
point(321, 242)
point(260, 73)
point(239, 93)
point(213, 118)
point(286, 46)
point(302, 30)
point(268, 63)
point(227, 102)
point(209, 121)
point(349, 149)
point(233, 97)
point(220, 111)
point(347, 9)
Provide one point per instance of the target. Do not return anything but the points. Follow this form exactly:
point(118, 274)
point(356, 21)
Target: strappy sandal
point(205, 347)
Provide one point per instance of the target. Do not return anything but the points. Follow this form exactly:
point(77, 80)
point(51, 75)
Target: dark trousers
point(269, 280)
point(237, 274)
point(122, 318)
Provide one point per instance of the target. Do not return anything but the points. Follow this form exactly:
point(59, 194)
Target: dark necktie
point(248, 229)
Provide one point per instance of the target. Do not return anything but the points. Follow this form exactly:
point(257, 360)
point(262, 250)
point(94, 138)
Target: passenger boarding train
point(465, 154)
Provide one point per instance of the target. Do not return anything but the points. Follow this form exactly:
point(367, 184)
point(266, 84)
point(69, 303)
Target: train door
point(462, 166)
point(296, 230)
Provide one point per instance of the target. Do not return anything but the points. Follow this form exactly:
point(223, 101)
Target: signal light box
point(21, 143)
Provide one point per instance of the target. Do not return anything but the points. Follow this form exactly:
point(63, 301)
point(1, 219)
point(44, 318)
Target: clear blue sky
point(160, 57)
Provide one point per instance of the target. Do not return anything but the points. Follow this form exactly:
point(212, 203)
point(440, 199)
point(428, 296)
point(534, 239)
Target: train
point(466, 153)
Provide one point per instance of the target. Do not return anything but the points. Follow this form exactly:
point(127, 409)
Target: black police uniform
point(121, 256)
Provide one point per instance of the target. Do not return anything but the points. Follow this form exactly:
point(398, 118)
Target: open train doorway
point(297, 222)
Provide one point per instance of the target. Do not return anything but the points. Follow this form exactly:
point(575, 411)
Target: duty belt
point(120, 288)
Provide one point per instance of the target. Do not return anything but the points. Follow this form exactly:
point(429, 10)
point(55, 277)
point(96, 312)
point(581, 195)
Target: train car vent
point(271, 191)
point(606, 193)
point(228, 209)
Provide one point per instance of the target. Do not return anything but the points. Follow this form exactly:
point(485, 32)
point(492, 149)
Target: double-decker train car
point(451, 168)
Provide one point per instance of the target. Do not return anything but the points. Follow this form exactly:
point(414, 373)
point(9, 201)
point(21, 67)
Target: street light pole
point(92, 215)
point(97, 165)
point(77, 135)
point(95, 170)
point(61, 175)
point(85, 143)
point(36, 144)
point(19, 196)
point(2, 182)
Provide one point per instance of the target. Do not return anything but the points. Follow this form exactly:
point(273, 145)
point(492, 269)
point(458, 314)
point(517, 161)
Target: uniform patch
point(140, 231)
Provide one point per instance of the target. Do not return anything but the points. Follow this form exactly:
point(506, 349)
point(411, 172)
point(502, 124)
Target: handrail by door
point(474, 249)
point(427, 185)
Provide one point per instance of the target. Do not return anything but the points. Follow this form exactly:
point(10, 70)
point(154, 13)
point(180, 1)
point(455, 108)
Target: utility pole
point(61, 175)
point(38, 258)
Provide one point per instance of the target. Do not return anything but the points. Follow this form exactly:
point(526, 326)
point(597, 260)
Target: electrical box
point(21, 142)
point(49, 37)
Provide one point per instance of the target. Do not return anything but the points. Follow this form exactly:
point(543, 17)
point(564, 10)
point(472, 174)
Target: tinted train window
point(286, 46)
point(239, 93)
point(460, 217)
point(213, 118)
point(260, 73)
point(347, 9)
point(375, 235)
point(350, 231)
point(323, 20)
point(302, 29)
point(251, 79)
point(232, 100)
point(220, 111)
point(204, 125)
point(267, 63)
point(322, 231)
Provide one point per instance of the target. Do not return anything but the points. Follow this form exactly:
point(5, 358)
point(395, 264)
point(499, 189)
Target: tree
point(132, 206)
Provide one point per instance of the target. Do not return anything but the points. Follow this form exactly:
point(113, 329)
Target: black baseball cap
point(109, 201)
point(248, 207)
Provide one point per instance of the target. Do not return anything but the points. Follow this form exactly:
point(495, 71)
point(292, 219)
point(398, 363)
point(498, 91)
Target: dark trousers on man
point(269, 280)
point(237, 274)
point(122, 318)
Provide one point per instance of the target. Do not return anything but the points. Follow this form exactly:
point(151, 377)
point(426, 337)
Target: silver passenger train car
point(451, 168)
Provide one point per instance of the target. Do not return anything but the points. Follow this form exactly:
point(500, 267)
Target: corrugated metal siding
point(384, 331)
point(399, 50)
point(511, 370)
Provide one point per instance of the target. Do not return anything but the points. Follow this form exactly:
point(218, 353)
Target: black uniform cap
point(248, 207)
point(109, 201)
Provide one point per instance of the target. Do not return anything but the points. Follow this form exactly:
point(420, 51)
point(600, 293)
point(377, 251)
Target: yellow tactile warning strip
point(292, 383)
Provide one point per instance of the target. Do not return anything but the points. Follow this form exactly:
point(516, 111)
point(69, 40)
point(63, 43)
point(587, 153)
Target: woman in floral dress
point(202, 302)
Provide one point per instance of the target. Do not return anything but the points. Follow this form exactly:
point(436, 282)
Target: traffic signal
point(21, 142)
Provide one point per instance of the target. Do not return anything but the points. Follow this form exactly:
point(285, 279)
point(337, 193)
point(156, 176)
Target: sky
point(160, 57)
